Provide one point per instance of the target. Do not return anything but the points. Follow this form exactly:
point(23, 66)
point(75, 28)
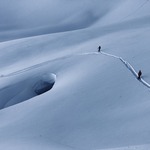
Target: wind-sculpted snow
point(96, 102)
point(25, 89)
point(42, 85)
point(24, 19)
point(129, 66)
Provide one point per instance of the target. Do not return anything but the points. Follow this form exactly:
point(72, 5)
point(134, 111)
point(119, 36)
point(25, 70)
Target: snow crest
point(129, 66)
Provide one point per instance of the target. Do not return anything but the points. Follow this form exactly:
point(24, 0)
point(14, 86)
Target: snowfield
point(58, 92)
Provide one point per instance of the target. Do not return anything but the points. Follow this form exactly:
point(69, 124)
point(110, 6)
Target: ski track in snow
point(43, 64)
point(128, 65)
point(33, 67)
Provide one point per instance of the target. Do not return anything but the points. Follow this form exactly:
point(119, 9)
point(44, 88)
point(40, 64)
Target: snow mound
point(26, 89)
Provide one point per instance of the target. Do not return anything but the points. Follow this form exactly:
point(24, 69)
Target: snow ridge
point(128, 66)
point(33, 67)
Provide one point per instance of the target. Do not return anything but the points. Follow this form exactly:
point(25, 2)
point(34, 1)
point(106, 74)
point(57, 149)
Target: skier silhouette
point(99, 48)
point(139, 74)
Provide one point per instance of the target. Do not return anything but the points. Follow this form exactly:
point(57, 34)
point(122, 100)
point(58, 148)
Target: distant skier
point(99, 48)
point(139, 74)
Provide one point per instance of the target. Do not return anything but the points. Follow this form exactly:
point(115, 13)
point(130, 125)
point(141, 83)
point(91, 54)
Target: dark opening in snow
point(26, 89)
point(44, 85)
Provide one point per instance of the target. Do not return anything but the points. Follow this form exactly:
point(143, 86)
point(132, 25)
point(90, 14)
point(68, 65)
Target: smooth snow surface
point(58, 92)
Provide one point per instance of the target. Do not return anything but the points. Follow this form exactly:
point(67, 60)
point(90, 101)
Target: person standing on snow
point(139, 74)
point(99, 48)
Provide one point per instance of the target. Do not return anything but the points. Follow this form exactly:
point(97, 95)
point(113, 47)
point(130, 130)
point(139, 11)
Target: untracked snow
point(57, 92)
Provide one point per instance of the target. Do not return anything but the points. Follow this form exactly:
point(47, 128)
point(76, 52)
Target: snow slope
point(96, 101)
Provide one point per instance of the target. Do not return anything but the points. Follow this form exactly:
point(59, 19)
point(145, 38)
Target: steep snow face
point(96, 101)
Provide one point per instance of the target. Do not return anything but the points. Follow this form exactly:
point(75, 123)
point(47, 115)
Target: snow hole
point(26, 89)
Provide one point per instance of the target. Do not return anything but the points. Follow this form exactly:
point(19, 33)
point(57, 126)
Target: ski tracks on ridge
point(128, 66)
